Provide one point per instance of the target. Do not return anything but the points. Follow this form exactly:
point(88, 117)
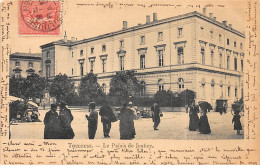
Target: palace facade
point(24, 64)
point(190, 51)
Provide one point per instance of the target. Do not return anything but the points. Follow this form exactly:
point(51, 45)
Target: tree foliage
point(187, 97)
point(31, 87)
point(123, 85)
point(89, 89)
point(62, 87)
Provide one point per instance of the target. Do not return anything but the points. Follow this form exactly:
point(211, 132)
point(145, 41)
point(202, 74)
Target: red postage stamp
point(39, 17)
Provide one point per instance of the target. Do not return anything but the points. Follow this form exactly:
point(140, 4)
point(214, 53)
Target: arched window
point(142, 93)
point(160, 85)
point(104, 88)
point(203, 88)
point(180, 84)
point(212, 88)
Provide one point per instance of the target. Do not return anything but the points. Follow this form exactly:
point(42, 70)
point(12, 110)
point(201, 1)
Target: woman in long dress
point(66, 118)
point(204, 127)
point(194, 118)
point(126, 125)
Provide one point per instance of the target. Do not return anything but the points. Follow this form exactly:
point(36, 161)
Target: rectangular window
point(91, 66)
point(211, 34)
point(202, 56)
point(81, 69)
point(180, 55)
point(72, 54)
point(17, 63)
point(104, 48)
point(72, 71)
point(142, 40)
point(92, 50)
point(220, 38)
point(30, 65)
point(202, 30)
point(81, 53)
point(228, 61)
point(220, 60)
point(241, 46)
point(212, 57)
point(242, 65)
point(228, 91)
point(161, 87)
point(103, 65)
point(122, 65)
point(235, 44)
point(142, 61)
point(235, 64)
point(235, 92)
point(48, 71)
point(48, 54)
point(121, 43)
point(227, 41)
point(160, 36)
point(180, 32)
point(160, 53)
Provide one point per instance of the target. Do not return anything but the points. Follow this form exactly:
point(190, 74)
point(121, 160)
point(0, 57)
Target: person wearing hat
point(204, 127)
point(126, 125)
point(107, 116)
point(66, 118)
point(156, 115)
point(53, 128)
point(194, 118)
point(92, 120)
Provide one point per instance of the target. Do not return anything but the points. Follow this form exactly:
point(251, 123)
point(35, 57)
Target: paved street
point(174, 125)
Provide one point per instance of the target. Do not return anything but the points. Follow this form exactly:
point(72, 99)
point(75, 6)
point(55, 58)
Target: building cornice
point(147, 25)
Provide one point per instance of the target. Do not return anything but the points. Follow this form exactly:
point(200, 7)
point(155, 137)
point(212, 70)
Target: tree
point(187, 97)
point(16, 86)
point(123, 85)
point(89, 89)
point(61, 87)
point(34, 86)
point(164, 98)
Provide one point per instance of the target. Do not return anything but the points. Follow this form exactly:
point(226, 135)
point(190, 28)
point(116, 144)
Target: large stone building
point(190, 51)
point(24, 64)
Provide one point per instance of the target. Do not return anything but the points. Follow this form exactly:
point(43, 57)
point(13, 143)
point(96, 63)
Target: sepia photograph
point(175, 75)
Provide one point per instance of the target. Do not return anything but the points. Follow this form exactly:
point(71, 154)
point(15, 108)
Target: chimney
point(124, 24)
point(147, 19)
point(154, 17)
point(230, 25)
point(204, 11)
point(214, 18)
point(224, 22)
point(65, 37)
point(211, 15)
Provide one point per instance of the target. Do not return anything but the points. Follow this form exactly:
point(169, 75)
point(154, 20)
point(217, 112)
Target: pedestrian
point(237, 123)
point(53, 128)
point(107, 116)
point(66, 118)
point(155, 108)
point(92, 120)
point(194, 118)
point(236, 107)
point(204, 127)
point(126, 125)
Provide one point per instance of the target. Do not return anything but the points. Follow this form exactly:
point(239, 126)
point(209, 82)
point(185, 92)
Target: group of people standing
point(202, 124)
point(58, 126)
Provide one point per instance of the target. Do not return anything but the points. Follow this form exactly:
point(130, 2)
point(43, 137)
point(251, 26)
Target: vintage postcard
point(129, 82)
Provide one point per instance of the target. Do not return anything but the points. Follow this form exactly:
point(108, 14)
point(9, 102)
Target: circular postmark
point(41, 15)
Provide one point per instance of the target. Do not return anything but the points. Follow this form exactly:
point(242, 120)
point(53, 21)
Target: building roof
point(36, 56)
point(146, 25)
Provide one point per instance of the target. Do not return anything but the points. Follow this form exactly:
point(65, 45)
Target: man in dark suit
point(156, 115)
point(106, 114)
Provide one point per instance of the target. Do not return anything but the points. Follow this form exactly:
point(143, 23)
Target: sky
point(85, 21)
